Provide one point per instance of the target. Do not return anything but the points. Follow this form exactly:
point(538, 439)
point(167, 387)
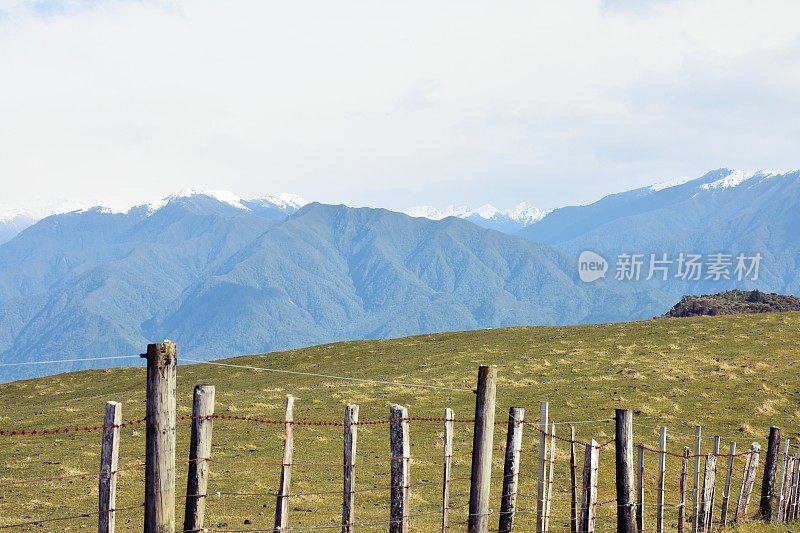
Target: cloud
point(389, 104)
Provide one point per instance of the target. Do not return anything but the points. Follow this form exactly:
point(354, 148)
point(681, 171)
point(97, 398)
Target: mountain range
point(223, 275)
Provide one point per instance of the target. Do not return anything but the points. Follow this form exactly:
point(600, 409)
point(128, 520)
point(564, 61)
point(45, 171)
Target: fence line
point(785, 491)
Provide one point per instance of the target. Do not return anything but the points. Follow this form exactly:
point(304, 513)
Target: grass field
point(733, 375)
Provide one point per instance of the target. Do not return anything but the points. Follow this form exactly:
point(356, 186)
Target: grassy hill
point(733, 375)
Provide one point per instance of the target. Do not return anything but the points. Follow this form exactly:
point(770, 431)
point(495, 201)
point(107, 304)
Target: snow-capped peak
point(432, 213)
point(521, 215)
point(226, 197)
point(736, 178)
point(285, 200)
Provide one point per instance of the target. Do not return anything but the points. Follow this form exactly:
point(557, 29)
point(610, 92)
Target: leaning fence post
point(448, 466)
point(573, 478)
point(550, 478)
point(709, 480)
point(748, 480)
point(640, 488)
point(282, 498)
point(400, 470)
point(726, 492)
point(626, 519)
point(662, 466)
point(159, 470)
point(350, 438)
point(508, 498)
point(480, 481)
point(766, 508)
point(698, 434)
point(682, 490)
point(109, 459)
point(199, 456)
point(591, 461)
point(540, 494)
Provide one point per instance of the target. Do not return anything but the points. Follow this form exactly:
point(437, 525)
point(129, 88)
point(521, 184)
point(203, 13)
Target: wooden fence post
point(640, 488)
point(662, 466)
point(709, 479)
point(780, 496)
point(748, 480)
point(109, 460)
point(350, 439)
point(159, 476)
point(448, 466)
point(400, 471)
point(508, 499)
point(626, 519)
point(715, 447)
point(282, 498)
point(726, 492)
point(698, 434)
point(573, 478)
point(591, 461)
point(766, 506)
point(787, 488)
point(540, 493)
point(480, 481)
point(682, 490)
point(795, 487)
point(199, 457)
point(550, 478)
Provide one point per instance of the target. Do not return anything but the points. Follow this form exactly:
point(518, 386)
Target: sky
point(390, 104)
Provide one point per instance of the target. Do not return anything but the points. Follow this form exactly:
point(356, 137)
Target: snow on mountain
point(487, 215)
point(285, 200)
point(736, 178)
point(669, 184)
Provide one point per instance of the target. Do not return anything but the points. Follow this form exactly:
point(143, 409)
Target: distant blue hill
point(723, 211)
point(223, 279)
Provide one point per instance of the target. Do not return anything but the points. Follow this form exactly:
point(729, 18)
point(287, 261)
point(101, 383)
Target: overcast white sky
point(390, 103)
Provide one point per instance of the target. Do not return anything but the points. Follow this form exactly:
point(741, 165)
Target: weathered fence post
point(698, 434)
point(109, 460)
point(549, 502)
point(282, 498)
point(682, 490)
point(401, 469)
point(780, 496)
point(715, 447)
point(795, 486)
point(159, 476)
point(748, 480)
point(662, 466)
point(350, 439)
point(787, 487)
point(726, 492)
point(508, 499)
point(766, 508)
point(480, 481)
point(591, 461)
point(640, 488)
point(199, 457)
point(573, 478)
point(448, 466)
point(540, 486)
point(626, 519)
point(709, 480)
